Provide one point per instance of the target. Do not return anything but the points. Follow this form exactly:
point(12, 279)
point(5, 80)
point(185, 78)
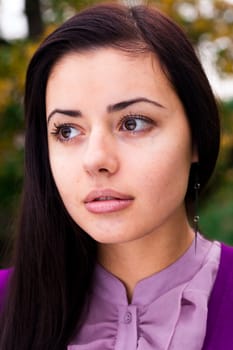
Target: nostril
point(103, 170)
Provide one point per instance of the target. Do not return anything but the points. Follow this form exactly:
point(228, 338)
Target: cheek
point(168, 173)
point(64, 174)
point(164, 170)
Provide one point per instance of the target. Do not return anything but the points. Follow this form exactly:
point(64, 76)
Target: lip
point(95, 201)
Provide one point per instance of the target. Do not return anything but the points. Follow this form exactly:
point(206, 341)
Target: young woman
point(122, 132)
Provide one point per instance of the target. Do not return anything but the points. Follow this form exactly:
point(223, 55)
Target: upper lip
point(96, 194)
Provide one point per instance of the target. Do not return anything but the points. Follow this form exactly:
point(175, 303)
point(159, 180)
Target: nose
point(100, 154)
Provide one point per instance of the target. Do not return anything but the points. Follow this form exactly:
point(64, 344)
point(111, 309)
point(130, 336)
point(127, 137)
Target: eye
point(65, 132)
point(135, 123)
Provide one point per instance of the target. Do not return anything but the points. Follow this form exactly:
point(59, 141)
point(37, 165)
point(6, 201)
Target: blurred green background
point(208, 23)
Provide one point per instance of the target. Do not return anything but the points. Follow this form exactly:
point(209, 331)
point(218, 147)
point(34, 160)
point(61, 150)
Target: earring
point(196, 217)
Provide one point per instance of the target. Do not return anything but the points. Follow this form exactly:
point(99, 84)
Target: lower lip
point(109, 206)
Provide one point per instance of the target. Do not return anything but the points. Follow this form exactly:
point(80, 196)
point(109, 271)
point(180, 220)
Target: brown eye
point(130, 124)
point(136, 123)
point(65, 132)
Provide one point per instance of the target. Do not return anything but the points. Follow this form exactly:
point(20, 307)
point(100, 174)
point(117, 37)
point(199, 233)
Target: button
point(128, 317)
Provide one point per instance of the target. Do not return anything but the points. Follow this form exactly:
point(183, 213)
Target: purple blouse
point(168, 310)
point(219, 334)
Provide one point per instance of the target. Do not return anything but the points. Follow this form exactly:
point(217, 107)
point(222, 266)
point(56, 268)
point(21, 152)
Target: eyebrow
point(111, 108)
point(121, 105)
point(70, 113)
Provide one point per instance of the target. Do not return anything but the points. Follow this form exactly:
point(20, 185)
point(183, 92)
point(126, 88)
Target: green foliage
point(56, 11)
point(217, 214)
point(210, 20)
point(13, 62)
point(217, 207)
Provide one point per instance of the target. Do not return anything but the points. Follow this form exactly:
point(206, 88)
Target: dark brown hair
point(54, 258)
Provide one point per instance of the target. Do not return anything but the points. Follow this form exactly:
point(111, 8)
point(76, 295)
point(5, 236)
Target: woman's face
point(119, 144)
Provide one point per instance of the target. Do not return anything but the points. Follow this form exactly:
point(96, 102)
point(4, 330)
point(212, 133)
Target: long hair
point(54, 258)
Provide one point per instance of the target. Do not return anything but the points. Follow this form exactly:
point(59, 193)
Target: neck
point(135, 260)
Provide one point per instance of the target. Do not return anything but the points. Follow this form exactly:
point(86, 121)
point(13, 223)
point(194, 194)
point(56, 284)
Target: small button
point(128, 317)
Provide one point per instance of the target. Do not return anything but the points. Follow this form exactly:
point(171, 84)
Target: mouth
point(106, 198)
point(107, 201)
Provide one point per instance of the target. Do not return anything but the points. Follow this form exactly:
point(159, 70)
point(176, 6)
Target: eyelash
point(131, 116)
point(57, 129)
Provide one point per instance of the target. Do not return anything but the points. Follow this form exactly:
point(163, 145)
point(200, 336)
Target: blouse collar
point(110, 288)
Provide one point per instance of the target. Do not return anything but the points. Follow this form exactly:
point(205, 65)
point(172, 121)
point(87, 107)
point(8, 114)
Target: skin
point(94, 149)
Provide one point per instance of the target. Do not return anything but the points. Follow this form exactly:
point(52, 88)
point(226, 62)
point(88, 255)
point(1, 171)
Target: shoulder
point(226, 262)
point(227, 250)
point(4, 278)
point(224, 277)
point(220, 316)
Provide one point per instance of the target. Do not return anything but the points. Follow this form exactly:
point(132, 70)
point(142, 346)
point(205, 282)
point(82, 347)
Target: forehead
point(109, 74)
point(107, 60)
